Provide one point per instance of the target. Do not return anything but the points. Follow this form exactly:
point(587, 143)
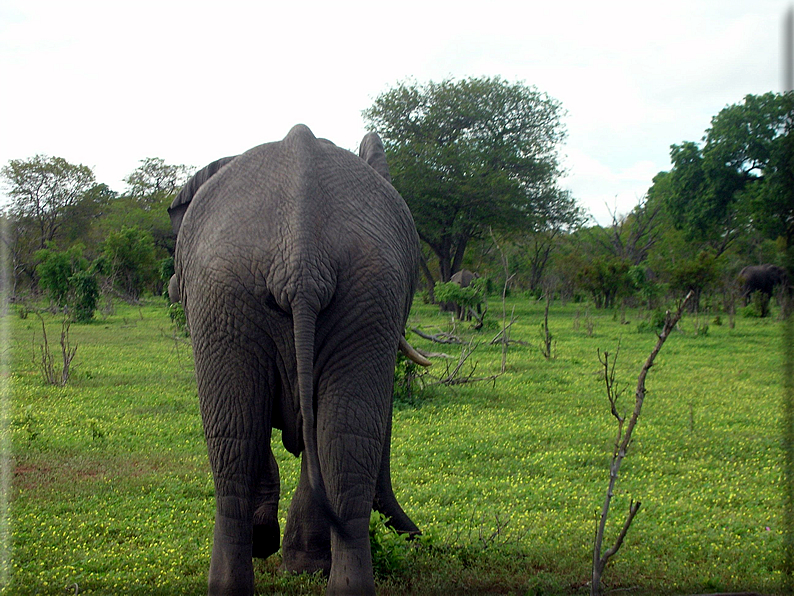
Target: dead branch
point(545, 334)
point(427, 354)
point(621, 447)
point(497, 337)
point(453, 376)
point(441, 338)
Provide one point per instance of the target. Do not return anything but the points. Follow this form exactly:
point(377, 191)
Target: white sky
point(108, 83)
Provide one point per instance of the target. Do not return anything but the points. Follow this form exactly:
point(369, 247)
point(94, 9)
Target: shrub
point(389, 549)
point(69, 282)
point(465, 298)
point(166, 271)
point(178, 318)
point(405, 374)
point(758, 307)
point(83, 296)
point(55, 268)
point(654, 323)
point(129, 259)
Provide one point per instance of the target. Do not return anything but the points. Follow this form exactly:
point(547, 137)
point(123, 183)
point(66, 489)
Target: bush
point(55, 268)
point(389, 549)
point(758, 307)
point(84, 295)
point(178, 318)
point(128, 256)
point(654, 323)
point(405, 375)
point(465, 298)
point(69, 282)
point(166, 271)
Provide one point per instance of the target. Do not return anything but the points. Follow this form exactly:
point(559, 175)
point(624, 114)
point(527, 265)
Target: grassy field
point(111, 488)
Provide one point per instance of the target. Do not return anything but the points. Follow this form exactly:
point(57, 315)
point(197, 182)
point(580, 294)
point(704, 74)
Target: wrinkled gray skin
point(463, 278)
point(762, 278)
point(275, 256)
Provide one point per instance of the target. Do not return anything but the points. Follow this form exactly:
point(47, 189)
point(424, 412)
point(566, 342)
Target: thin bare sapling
point(45, 361)
point(622, 442)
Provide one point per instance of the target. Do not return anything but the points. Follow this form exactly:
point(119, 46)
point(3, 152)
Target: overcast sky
point(107, 84)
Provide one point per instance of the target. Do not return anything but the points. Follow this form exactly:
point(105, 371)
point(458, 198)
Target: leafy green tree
point(558, 216)
point(42, 189)
point(56, 267)
point(772, 203)
point(68, 280)
point(606, 279)
point(741, 175)
point(85, 295)
point(155, 180)
point(150, 189)
point(129, 259)
point(471, 155)
point(696, 274)
point(80, 219)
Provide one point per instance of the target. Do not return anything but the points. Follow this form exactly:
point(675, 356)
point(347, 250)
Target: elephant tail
point(304, 320)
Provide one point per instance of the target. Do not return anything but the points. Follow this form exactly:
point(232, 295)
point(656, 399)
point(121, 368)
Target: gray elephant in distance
point(762, 278)
point(275, 256)
point(463, 278)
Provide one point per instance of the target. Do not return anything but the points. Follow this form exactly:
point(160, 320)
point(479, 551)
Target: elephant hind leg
point(385, 501)
point(266, 531)
point(234, 396)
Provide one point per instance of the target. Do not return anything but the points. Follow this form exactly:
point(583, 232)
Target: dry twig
point(441, 338)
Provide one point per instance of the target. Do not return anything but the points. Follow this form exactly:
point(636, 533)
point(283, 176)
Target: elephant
point(463, 278)
point(275, 258)
point(762, 278)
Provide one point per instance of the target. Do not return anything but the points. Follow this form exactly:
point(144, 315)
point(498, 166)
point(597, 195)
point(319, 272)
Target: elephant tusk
point(411, 353)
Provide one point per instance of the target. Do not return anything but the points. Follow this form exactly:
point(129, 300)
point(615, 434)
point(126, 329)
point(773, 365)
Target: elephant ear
point(371, 151)
point(177, 209)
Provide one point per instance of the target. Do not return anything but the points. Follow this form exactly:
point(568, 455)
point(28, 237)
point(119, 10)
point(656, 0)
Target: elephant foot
point(351, 573)
point(231, 567)
point(266, 539)
point(295, 561)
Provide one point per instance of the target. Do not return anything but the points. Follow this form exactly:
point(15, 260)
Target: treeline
point(477, 162)
point(75, 239)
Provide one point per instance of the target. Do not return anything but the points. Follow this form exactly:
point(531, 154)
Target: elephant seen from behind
point(464, 279)
point(275, 256)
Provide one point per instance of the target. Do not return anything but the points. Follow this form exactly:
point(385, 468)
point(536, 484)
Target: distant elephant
point(762, 278)
point(463, 278)
point(275, 256)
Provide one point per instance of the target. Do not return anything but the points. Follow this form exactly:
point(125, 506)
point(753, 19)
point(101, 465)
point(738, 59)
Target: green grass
point(111, 488)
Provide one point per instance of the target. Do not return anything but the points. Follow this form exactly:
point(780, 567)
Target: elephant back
point(180, 204)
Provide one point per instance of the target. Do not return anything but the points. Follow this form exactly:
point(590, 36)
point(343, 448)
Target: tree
point(128, 257)
point(55, 268)
point(150, 189)
point(154, 180)
point(741, 175)
point(43, 189)
point(68, 280)
point(772, 203)
point(557, 216)
point(471, 155)
point(606, 279)
point(695, 275)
